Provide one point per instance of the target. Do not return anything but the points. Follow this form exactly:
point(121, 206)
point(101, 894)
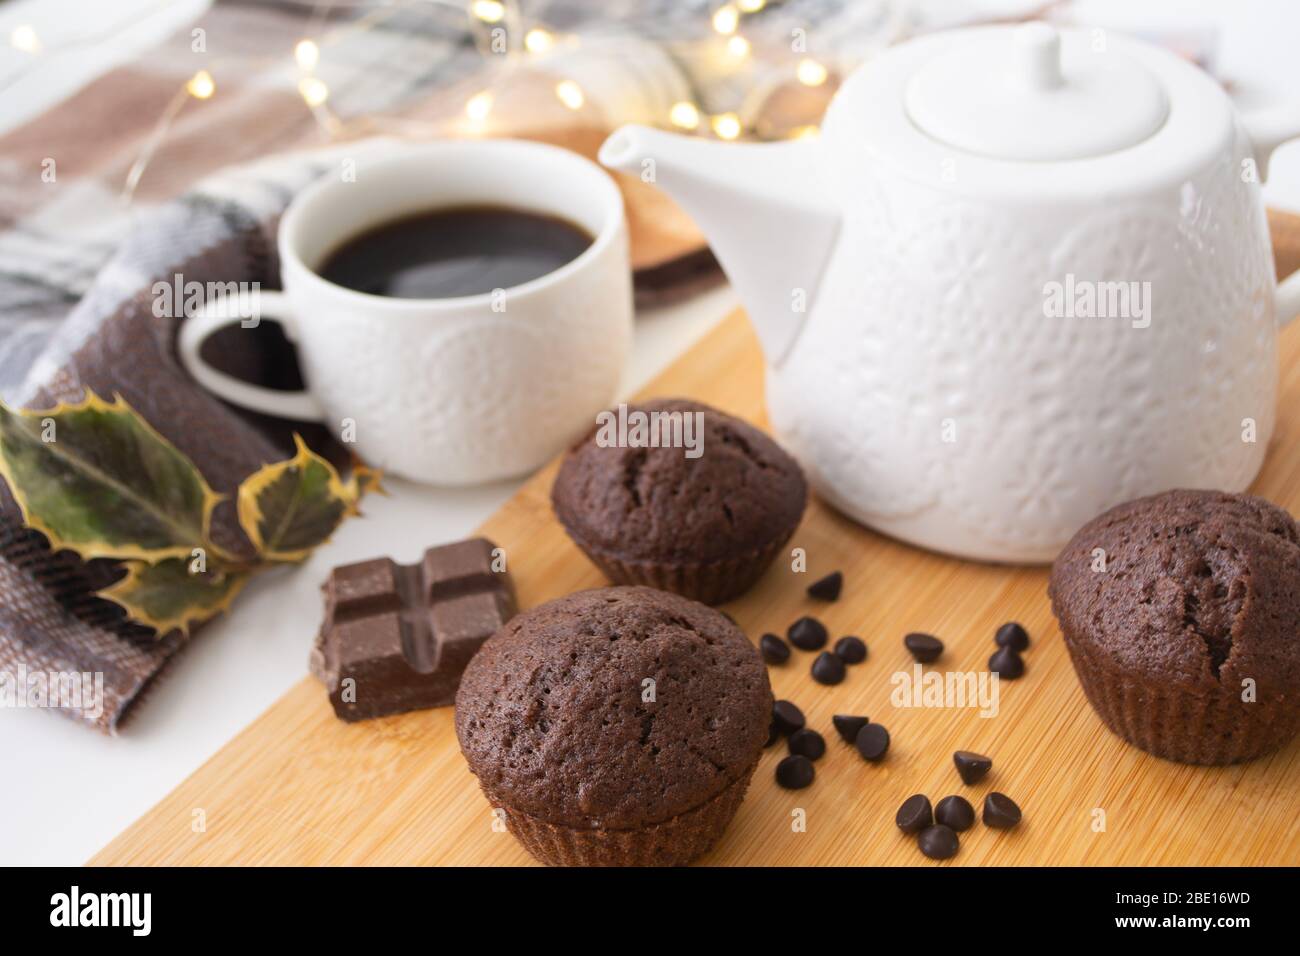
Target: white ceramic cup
point(446, 391)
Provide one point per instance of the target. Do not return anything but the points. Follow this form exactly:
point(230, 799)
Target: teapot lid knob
point(1037, 63)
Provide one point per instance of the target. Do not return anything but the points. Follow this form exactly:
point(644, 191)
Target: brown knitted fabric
point(1198, 606)
point(50, 618)
point(705, 527)
point(619, 725)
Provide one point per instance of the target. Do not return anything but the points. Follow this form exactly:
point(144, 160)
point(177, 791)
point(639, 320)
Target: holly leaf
point(96, 478)
point(293, 506)
point(364, 479)
point(172, 594)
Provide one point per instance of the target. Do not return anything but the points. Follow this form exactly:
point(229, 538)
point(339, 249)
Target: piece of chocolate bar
point(397, 637)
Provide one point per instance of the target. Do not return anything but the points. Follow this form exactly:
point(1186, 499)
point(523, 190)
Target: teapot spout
point(762, 208)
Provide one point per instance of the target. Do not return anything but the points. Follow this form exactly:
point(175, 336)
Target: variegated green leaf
point(293, 506)
point(96, 478)
point(174, 593)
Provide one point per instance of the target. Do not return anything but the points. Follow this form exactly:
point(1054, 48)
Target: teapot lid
point(1028, 113)
point(1022, 94)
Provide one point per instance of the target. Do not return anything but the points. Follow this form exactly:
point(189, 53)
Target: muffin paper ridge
point(674, 842)
point(1176, 725)
point(714, 582)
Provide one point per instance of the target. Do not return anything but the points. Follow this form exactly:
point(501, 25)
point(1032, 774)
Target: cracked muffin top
point(614, 708)
point(1201, 589)
point(740, 494)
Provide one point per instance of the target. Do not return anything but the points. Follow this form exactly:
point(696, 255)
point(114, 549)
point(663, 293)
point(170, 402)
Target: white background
point(67, 790)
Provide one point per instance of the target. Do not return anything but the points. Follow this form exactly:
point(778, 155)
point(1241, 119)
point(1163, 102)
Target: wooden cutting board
point(300, 787)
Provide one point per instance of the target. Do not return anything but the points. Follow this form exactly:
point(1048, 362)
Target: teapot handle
point(1288, 298)
point(1269, 127)
point(1284, 228)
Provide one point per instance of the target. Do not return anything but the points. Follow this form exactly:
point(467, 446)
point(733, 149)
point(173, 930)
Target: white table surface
point(69, 790)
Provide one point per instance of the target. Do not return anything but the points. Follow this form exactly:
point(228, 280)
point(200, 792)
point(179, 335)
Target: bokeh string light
point(490, 21)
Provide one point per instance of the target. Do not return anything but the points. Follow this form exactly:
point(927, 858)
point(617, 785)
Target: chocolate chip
point(795, 772)
point(938, 842)
point(807, 743)
point(1000, 811)
point(955, 812)
point(872, 742)
point(1006, 663)
point(773, 734)
point(915, 814)
point(848, 726)
point(851, 650)
point(828, 669)
point(774, 650)
point(786, 717)
point(972, 766)
point(828, 588)
point(808, 634)
point(926, 648)
point(1012, 635)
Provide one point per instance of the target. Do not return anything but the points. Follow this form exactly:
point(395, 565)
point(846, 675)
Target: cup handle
point(301, 406)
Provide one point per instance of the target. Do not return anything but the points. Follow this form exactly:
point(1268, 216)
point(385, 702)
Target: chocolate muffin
point(706, 527)
point(1187, 644)
point(615, 727)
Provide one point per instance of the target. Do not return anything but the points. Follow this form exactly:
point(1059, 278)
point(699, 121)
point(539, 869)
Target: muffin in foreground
point(705, 527)
point(1181, 613)
point(615, 727)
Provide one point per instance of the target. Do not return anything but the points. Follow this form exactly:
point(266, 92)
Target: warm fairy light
point(201, 85)
point(313, 91)
point(307, 53)
point(726, 125)
point(811, 73)
point(538, 40)
point(726, 19)
point(570, 94)
point(478, 106)
point(489, 11)
point(24, 38)
point(685, 115)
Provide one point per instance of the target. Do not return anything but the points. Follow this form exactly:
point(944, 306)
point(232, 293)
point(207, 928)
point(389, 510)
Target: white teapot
point(1022, 275)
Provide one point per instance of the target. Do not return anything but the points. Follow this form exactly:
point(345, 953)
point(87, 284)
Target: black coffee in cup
point(444, 253)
